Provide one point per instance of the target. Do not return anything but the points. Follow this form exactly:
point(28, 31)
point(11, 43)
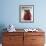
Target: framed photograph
point(26, 13)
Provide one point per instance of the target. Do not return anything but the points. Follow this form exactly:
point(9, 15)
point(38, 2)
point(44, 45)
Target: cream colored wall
point(45, 37)
point(0, 44)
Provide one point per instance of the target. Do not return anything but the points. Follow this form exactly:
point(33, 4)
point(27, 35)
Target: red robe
point(27, 16)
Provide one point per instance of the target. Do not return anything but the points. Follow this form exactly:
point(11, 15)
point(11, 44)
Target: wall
point(10, 13)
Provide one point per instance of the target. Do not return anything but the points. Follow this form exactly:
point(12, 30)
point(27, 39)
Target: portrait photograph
point(26, 13)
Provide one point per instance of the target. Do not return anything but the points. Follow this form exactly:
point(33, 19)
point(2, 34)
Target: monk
point(27, 15)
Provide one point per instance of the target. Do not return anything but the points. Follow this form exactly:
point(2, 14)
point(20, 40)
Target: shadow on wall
point(2, 26)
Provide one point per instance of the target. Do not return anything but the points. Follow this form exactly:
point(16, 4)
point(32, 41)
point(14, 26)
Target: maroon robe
point(27, 15)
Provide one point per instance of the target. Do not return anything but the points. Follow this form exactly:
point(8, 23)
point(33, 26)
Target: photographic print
point(26, 13)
